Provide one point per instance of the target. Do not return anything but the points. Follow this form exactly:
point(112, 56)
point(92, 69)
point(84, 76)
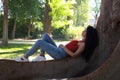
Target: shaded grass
point(17, 48)
point(13, 50)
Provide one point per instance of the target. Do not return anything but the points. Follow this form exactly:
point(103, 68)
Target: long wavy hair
point(91, 42)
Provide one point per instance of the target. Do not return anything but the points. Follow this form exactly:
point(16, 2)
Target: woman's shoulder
point(81, 40)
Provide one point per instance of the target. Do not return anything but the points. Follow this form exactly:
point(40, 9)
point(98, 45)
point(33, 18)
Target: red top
point(72, 45)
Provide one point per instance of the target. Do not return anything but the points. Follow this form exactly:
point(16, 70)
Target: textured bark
point(11, 70)
point(110, 70)
point(47, 18)
point(5, 25)
point(14, 29)
point(109, 34)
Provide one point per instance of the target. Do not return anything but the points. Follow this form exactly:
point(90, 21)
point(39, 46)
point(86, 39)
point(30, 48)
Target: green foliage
point(65, 33)
point(23, 9)
point(61, 9)
point(37, 30)
point(95, 8)
point(73, 32)
point(81, 12)
point(58, 34)
point(64, 12)
point(26, 12)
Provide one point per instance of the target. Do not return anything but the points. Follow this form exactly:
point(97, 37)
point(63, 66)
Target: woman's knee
point(45, 34)
point(39, 41)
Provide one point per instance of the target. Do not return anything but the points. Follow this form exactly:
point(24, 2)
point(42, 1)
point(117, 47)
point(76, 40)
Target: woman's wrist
point(61, 45)
point(64, 48)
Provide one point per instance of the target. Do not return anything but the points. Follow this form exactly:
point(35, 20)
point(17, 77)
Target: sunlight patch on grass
point(10, 50)
point(8, 56)
point(13, 50)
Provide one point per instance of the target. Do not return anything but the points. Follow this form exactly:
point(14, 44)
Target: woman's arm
point(78, 52)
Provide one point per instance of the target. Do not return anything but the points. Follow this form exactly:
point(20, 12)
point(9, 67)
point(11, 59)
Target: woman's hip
point(60, 54)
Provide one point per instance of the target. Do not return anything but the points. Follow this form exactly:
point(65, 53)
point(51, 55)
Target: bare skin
point(79, 50)
point(41, 54)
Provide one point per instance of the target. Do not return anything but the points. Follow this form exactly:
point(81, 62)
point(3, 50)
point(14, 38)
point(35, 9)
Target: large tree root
point(11, 70)
point(110, 70)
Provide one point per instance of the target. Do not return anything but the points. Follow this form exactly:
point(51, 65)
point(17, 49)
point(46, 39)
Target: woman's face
point(84, 33)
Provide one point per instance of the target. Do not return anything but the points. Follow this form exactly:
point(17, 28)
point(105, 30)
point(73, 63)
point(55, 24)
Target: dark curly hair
point(91, 43)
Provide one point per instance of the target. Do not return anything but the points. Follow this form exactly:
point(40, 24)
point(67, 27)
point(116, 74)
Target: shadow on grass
point(13, 50)
point(15, 45)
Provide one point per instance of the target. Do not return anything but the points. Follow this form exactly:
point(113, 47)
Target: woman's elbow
point(73, 55)
point(76, 55)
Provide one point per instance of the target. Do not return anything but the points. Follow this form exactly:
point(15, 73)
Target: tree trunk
point(14, 29)
point(44, 70)
point(29, 27)
point(5, 24)
point(47, 18)
point(109, 33)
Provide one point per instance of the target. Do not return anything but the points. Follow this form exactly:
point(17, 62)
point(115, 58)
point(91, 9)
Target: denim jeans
point(47, 44)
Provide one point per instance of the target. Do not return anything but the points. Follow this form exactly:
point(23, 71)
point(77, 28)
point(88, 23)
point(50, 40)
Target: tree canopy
point(26, 17)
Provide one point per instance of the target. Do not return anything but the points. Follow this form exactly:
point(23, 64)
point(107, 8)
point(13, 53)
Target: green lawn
point(13, 50)
point(17, 48)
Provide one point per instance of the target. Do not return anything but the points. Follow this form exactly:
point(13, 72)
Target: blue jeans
point(47, 44)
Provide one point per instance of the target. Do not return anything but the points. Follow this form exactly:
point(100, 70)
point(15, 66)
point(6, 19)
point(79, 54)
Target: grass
point(13, 50)
point(17, 48)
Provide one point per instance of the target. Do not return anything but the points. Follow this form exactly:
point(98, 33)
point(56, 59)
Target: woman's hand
point(61, 45)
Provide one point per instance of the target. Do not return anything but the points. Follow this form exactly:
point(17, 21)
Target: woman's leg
point(53, 51)
point(45, 38)
point(46, 44)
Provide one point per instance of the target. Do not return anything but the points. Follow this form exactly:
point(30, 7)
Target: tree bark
point(47, 18)
point(14, 29)
point(44, 70)
point(109, 34)
point(5, 24)
point(29, 29)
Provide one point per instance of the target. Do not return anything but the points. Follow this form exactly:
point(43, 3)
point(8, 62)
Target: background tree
point(61, 9)
point(47, 18)
point(20, 11)
point(81, 11)
point(5, 24)
point(34, 19)
point(1, 18)
point(95, 9)
point(108, 27)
